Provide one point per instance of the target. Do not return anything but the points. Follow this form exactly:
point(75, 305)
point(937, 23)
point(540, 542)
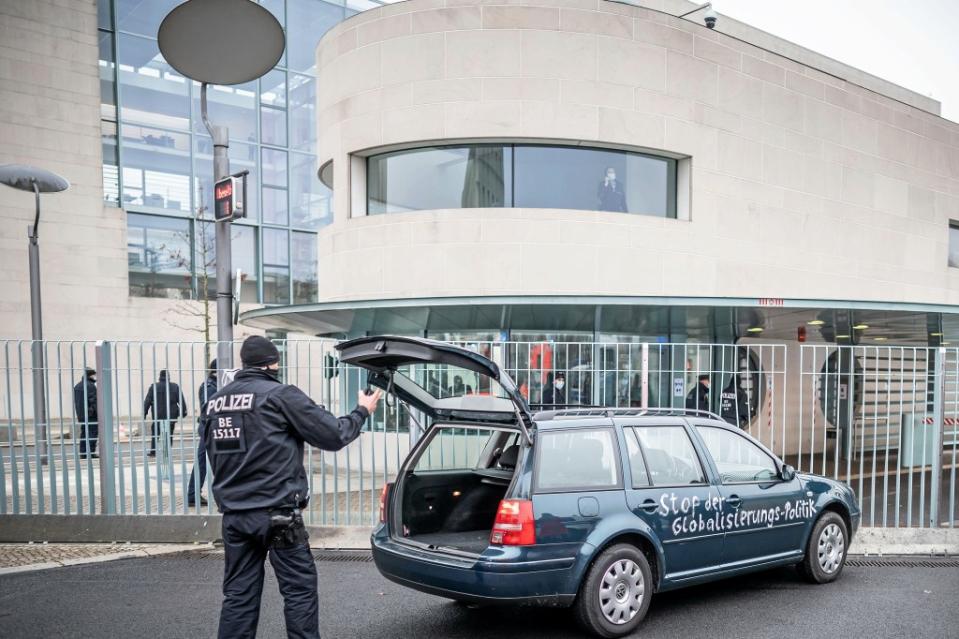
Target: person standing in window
point(611, 195)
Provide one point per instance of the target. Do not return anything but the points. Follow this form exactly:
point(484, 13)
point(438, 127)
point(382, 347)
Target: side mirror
point(787, 472)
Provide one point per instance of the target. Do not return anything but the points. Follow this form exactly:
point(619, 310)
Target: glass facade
point(158, 156)
point(521, 175)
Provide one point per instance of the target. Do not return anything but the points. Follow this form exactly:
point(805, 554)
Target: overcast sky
point(913, 43)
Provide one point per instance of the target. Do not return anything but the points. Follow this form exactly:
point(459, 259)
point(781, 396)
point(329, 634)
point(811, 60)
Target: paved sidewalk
point(15, 558)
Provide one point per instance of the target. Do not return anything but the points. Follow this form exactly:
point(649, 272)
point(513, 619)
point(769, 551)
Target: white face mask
point(559, 385)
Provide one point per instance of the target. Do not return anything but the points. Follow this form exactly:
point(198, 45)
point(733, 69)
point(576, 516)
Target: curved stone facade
point(801, 184)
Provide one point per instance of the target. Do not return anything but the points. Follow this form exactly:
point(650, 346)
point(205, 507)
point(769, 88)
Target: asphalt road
point(178, 596)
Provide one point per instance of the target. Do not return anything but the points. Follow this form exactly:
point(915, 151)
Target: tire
point(620, 582)
point(826, 550)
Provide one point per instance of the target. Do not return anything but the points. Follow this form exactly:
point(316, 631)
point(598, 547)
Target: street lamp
point(31, 178)
point(221, 42)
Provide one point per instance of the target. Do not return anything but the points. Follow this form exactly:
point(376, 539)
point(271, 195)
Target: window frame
point(509, 147)
point(535, 488)
point(707, 479)
point(736, 433)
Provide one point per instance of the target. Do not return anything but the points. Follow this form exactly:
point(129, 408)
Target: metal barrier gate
point(884, 420)
point(834, 411)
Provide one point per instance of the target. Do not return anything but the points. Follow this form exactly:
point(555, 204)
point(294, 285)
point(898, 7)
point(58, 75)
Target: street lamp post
point(221, 42)
point(29, 178)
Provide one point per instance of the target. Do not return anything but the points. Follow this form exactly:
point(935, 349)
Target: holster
point(287, 528)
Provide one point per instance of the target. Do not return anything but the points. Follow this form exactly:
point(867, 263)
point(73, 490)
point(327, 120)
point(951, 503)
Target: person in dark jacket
point(698, 398)
point(206, 391)
point(611, 195)
point(85, 406)
point(165, 399)
point(734, 404)
point(255, 429)
point(554, 391)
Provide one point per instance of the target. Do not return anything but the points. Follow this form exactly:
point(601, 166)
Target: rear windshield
point(444, 380)
point(469, 449)
point(576, 460)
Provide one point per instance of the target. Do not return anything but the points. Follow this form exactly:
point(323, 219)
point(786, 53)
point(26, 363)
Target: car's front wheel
point(826, 549)
point(614, 596)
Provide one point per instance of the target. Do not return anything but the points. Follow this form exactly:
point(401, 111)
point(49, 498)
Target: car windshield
point(444, 380)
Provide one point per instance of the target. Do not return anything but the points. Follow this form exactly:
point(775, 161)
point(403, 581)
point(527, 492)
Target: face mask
point(559, 385)
point(275, 374)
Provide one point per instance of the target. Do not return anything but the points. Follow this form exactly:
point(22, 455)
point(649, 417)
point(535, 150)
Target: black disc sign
point(221, 41)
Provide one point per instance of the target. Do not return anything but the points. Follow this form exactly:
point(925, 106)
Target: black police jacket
point(254, 429)
point(165, 399)
point(85, 401)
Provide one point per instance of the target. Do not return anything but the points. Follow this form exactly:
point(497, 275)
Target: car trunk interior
point(455, 509)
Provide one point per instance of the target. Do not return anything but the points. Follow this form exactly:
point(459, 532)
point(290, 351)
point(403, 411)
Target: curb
point(149, 551)
point(905, 541)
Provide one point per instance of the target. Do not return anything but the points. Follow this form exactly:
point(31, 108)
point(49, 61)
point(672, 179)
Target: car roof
point(573, 417)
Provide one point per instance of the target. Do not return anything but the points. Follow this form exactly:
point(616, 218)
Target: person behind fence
point(255, 428)
point(734, 404)
point(205, 392)
point(165, 399)
point(554, 390)
point(698, 398)
point(85, 405)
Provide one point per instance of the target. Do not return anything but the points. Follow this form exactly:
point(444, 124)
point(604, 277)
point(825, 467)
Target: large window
point(156, 168)
point(530, 176)
point(304, 268)
point(151, 91)
point(243, 250)
point(158, 255)
point(276, 266)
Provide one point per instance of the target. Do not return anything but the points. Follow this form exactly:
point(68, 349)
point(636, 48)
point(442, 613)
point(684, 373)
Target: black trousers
point(89, 436)
point(247, 538)
point(156, 431)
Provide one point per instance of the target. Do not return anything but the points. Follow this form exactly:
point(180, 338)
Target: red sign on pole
point(224, 199)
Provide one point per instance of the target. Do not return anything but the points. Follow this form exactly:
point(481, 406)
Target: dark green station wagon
point(592, 508)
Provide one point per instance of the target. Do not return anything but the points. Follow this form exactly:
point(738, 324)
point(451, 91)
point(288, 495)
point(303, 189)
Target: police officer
point(254, 429)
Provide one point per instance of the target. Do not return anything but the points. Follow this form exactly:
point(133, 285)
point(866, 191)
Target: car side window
point(737, 459)
point(576, 459)
point(669, 455)
point(637, 465)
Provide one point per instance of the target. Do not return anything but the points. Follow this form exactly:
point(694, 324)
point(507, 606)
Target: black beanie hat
point(258, 351)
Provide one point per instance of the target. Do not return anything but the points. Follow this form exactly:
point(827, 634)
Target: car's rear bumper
point(474, 579)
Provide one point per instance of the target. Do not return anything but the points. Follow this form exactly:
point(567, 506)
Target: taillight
point(384, 495)
point(514, 525)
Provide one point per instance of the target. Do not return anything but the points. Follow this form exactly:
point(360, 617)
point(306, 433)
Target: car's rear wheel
point(826, 549)
point(614, 597)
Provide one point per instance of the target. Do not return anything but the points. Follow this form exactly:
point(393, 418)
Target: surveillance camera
point(710, 19)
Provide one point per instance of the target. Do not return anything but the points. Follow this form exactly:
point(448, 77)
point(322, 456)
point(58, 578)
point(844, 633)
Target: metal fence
point(884, 420)
point(866, 415)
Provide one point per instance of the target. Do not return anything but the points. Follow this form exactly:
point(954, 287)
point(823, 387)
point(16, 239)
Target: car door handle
point(649, 505)
point(734, 501)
